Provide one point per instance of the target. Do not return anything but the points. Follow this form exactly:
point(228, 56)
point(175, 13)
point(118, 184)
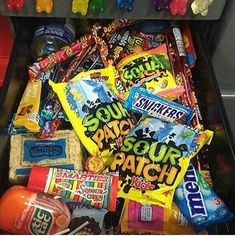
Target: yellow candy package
point(151, 219)
point(149, 69)
point(107, 75)
point(98, 117)
point(154, 158)
point(27, 113)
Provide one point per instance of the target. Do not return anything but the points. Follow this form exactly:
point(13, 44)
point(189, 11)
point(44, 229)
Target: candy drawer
point(221, 150)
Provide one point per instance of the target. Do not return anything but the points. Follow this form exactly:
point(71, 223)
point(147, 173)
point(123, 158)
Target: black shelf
point(143, 9)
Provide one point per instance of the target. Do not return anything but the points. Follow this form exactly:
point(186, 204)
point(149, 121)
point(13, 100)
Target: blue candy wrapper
point(198, 201)
point(141, 101)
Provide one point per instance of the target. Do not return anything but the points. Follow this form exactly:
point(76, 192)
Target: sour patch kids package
point(98, 117)
point(154, 158)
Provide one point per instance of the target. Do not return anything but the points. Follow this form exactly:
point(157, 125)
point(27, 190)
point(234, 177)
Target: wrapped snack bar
point(143, 102)
point(63, 150)
point(27, 112)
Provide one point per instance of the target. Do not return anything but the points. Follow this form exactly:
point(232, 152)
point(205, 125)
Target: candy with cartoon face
point(201, 6)
point(80, 6)
point(178, 7)
point(44, 5)
point(14, 5)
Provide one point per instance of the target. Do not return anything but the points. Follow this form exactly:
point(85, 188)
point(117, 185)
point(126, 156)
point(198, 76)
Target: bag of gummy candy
point(198, 201)
point(154, 158)
point(98, 117)
point(149, 69)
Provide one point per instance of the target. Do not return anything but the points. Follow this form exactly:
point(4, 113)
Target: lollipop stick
point(79, 228)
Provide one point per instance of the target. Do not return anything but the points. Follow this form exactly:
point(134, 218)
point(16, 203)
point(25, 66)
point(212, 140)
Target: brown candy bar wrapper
point(118, 50)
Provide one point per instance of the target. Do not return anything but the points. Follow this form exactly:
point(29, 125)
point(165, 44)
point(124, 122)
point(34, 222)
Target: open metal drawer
point(221, 152)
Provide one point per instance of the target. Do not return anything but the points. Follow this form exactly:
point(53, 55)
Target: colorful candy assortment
point(115, 137)
point(98, 6)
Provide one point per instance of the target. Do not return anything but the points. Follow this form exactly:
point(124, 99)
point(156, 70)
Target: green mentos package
point(154, 158)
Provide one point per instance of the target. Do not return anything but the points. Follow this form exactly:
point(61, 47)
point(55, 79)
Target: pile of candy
point(108, 138)
point(98, 6)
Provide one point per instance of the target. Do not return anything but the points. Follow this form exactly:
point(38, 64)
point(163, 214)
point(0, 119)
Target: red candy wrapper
point(66, 52)
point(188, 43)
point(182, 72)
point(189, 85)
point(76, 61)
point(175, 63)
point(102, 45)
point(107, 56)
point(59, 56)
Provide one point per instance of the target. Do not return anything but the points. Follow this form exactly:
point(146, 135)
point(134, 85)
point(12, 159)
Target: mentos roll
point(198, 201)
